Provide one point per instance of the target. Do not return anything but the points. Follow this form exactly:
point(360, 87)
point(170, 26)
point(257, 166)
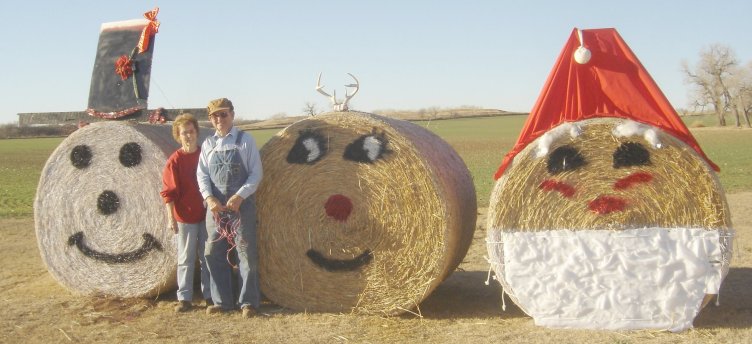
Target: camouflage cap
point(219, 104)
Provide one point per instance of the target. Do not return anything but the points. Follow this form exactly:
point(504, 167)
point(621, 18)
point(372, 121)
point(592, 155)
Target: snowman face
point(99, 215)
point(340, 212)
point(608, 174)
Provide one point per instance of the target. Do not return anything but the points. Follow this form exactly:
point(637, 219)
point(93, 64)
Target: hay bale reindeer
point(360, 213)
point(607, 214)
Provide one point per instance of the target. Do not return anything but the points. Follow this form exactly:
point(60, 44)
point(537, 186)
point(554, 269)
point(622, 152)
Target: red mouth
point(607, 204)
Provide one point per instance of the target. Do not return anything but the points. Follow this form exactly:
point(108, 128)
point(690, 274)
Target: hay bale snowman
point(607, 214)
point(360, 213)
point(99, 218)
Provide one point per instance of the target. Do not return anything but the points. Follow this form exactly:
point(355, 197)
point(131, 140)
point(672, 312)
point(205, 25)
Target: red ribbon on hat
point(150, 29)
point(124, 67)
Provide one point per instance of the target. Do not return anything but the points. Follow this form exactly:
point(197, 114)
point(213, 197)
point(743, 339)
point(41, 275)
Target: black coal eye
point(80, 156)
point(564, 158)
point(631, 154)
point(130, 154)
point(367, 149)
point(309, 148)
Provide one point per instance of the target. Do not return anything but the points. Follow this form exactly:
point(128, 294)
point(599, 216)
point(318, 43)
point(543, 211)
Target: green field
point(482, 142)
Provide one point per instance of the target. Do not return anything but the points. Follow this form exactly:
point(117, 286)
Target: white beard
point(650, 278)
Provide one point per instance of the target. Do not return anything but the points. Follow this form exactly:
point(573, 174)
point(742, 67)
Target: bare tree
point(711, 79)
point(743, 92)
point(310, 109)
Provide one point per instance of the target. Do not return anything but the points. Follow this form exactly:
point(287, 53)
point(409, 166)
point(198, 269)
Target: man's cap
point(218, 105)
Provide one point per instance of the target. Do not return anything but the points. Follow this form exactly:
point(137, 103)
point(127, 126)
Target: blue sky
point(266, 55)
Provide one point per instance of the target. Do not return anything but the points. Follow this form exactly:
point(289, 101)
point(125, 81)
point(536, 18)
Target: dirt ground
point(35, 308)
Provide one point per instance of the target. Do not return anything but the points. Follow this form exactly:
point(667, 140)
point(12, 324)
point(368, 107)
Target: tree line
point(720, 82)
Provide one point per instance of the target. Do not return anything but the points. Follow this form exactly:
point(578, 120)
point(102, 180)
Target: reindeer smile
point(339, 265)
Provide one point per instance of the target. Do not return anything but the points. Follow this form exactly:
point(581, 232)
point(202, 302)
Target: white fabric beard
point(650, 278)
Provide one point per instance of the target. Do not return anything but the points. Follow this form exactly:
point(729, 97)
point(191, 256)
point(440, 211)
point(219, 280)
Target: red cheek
point(563, 188)
point(632, 180)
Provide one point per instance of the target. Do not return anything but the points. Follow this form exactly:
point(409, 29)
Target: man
point(229, 171)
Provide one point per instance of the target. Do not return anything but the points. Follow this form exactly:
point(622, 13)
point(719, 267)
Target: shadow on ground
point(735, 309)
point(465, 295)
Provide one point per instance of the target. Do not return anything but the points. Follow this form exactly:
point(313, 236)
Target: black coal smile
point(336, 265)
point(150, 243)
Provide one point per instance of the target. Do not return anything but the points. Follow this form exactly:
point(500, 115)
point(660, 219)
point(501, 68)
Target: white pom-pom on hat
point(582, 55)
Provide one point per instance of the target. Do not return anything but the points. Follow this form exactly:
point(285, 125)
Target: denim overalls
point(228, 174)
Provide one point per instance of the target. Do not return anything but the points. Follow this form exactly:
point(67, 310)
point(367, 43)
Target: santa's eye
point(130, 154)
point(367, 149)
point(80, 156)
point(308, 148)
point(631, 154)
point(564, 158)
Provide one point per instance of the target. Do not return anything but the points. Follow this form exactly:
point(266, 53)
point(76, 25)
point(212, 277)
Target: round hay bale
point(636, 218)
point(99, 218)
point(360, 213)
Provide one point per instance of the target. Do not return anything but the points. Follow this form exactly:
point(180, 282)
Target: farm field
point(481, 142)
point(463, 309)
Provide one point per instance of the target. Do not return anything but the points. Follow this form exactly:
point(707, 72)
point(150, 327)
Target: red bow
point(150, 29)
point(124, 67)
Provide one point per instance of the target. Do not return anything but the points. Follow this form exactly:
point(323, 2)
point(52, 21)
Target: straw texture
point(99, 218)
point(669, 187)
point(404, 216)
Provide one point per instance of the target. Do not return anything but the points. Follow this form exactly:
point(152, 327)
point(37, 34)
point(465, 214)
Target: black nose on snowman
point(108, 202)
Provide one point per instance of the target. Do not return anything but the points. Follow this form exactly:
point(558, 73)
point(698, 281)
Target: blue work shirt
point(249, 155)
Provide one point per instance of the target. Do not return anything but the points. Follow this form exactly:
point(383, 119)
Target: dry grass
point(462, 309)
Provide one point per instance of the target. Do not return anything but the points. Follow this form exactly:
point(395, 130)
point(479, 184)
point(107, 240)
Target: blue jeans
point(219, 267)
point(191, 239)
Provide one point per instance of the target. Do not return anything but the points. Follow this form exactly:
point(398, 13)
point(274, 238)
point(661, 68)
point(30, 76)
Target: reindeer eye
point(564, 158)
point(130, 154)
point(631, 154)
point(309, 148)
point(367, 149)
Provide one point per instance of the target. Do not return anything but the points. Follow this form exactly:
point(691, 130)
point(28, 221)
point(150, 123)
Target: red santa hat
point(597, 75)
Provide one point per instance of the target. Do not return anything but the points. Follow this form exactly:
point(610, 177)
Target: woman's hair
point(181, 120)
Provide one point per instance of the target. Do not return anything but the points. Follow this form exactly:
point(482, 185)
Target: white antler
point(336, 104)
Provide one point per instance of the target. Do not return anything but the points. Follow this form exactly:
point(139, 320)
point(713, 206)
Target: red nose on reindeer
point(338, 207)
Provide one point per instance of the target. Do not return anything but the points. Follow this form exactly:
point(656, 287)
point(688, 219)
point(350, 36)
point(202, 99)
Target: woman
point(185, 210)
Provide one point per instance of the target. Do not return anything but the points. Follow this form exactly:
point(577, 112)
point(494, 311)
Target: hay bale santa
point(607, 214)
point(360, 213)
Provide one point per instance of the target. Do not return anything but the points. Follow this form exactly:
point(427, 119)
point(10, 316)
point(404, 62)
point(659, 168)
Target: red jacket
point(180, 186)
